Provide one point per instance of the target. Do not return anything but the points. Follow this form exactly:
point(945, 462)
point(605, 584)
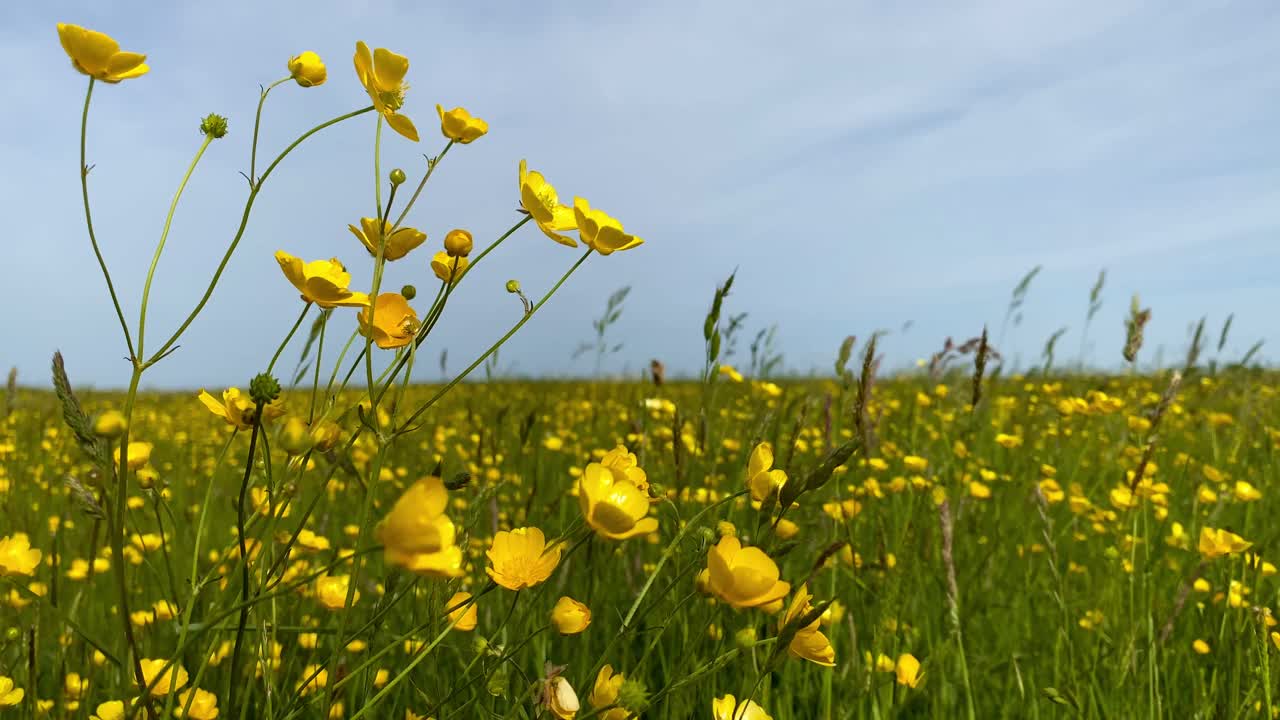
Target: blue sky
point(862, 164)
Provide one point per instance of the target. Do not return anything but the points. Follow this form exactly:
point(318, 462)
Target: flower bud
point(745, 638)
point(397, 177)
point(213, 125)
point(570, 617)
point(513, 286)
point(147, 477)
point(633, 696)
point(264, 388)
point(12, 633)
point(409, 292)
point(458, 243)
point(307, 69)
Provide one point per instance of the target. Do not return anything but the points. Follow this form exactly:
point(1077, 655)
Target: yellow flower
point(331, 591)
point(10, 695)
point(613, 507)
point(463, 618)
point(238, 409)
point(539, 199)
point(726, 708)
point(382, 74)
point(204, 706)
point(449, 269)
point(395, 324)
point(560, 698)
point(110, 424)
point(605, 693)
point(418, 536)
point(307, 69)
point(1201, 647)
point(908, 670)
point(111, 710)
point(459, 126)
point(520, 558)
point(761, 480)
point(1216, 543)
point(139, 454)
point(158, 675)
point(622, 463)
point(99, 56)
point(1246, 492)
point(399, 242)
point(458, 243)
point(323, 282)
point(808, 643)
point(600, 231)
point(17, 557)
point(743, 577)
point(569, 616)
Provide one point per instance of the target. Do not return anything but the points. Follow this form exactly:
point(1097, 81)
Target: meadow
point(335, 539)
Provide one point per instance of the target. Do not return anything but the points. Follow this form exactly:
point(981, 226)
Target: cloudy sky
point(863, 165)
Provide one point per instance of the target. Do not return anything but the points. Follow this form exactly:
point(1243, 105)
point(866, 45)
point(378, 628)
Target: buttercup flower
point(307, 69)
point(459, 126)
point(539, 199)
point(418, 536)
point(331, 591)
point(464, 618)
point(743, 577)
point(458, 243)
point(139, 454)
point(605, 693)
point(613, 507)
point(600, 231)
point(17, 557)
point(110, 424)
point(520, 558)
point(448, 269)
point(726, 708)
point(395, 324)
point(10, 694)
point(237, 409)
point(623, 465)
point(808, 643)
point(569, 616)
point(399, 242)
point(110, 710)
point(761, 479)
point(323, 282)
point(1215, 543)
point(204, 706)
point(158, 675)
point(382, 74)
point(98, 56)
point(560, 699)
point(907, 670)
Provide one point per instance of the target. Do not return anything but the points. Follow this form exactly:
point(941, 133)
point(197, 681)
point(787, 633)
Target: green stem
point(288, 337)
point(244, 557)
point(257, 123)
point(431, 167)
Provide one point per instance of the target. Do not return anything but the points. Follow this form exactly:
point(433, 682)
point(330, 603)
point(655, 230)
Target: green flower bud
point(745, 638)
point(633, 696)
point(12, 634)
point(263, 388)
point(409, 292)
point(513, 286)
point(397, 176)
point(213, 125)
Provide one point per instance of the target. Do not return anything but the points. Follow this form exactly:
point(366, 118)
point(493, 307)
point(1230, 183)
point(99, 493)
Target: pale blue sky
point(863, 164)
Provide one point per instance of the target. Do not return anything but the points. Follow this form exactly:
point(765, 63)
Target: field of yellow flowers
point(334, 540)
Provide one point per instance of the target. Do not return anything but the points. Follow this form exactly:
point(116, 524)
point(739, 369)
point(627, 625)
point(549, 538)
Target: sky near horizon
point(863, 165)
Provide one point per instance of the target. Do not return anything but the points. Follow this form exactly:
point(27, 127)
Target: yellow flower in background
point(448, 269)
point(307, 69)
point(395, 324)
point(732, 373)
point(907, 670)
point(10, 694)
point(808, 643)
point(726, 708)
point(158, 675)
point(762, 480)
point(1215, 543)
point(417, 536)
point(139, 454)
point(615, 508)
point(520, 558)
point(331, 592)
point(743, 577)
point(323, 282)
point(238, 409)
point(459, 126)
point(600, 231)
point(399, 242)
point(1246, 492)
point(539, 199)
point(110, 424)
point(605, 693)
point(204, 706)
point(110, 710)
point(382, 74)
point(98, 56)
point(570, 617)
point(17, 557)
point(464, 618)
point(1201, 647)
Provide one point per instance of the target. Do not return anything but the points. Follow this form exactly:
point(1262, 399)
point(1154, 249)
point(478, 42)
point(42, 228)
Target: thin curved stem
point(288, 337)
point(257, 123)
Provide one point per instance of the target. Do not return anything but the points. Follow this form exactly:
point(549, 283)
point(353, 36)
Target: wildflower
point(979, 491)
point(238, 409)
point(622, 463)
point(382, 74)
point(465, 615)
point(395, 324)
point(110, 710)
point(1201, 647)
point(307, 69)
point(447, 267)
point(458, 242)
point(323, 282)
point(17, 557)
point(331, 591)
point(726, 708)
point(907, 670)
point(418, 536)
point(761, 479)
point(1245, 492)
point(110, 424)
point(539, 199)
point(204, 704)
point(397, 244)
point(158, 675)
point(1008, 441)
point(613, 507)
point(808, 643)
point(605, 693)
point(1216, 543)
point(10, 694)
point(743, 577)
point(732, 373)
point(600, 231)
point(520, 558)
point(569, 616)
point(459, 126)
point(99, 56)
point(139, 454)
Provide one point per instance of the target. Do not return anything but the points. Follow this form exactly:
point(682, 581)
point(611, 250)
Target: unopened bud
point(513, 286)
point(458, 243)
point(409, 292)
point(213, 125)
point(264, 388)
point(397, 176)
